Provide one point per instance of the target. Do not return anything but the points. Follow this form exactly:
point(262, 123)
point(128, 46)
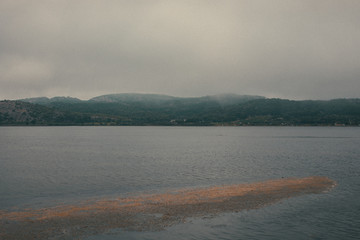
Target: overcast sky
point(298, 49)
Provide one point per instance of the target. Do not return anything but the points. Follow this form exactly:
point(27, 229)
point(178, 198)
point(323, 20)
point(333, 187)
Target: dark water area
point(47, 166)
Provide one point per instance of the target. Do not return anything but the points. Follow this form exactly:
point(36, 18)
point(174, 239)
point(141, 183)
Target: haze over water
point(48, 166)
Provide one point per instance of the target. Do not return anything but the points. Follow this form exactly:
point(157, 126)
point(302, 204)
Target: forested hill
point(153, 109)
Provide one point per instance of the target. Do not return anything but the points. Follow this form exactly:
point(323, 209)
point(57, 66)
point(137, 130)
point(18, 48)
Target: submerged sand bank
point(151, 212)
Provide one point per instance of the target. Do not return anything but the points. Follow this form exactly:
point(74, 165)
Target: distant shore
point(159, 110)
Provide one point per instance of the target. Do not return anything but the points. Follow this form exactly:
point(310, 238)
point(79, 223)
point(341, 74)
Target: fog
point(299, 49)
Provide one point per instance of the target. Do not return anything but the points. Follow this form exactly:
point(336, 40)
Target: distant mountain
point(45, 100)
point(132, 97)
point(24, 113)
point(288, 112)
point(229, 98)
point(223, 99)
point(154, 109)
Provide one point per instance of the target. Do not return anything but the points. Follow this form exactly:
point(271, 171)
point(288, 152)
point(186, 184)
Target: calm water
point(46, 166)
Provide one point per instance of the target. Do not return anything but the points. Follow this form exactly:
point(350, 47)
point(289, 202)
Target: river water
point(47, 166)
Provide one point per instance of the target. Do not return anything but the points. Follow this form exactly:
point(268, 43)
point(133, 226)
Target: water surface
point(48, 166)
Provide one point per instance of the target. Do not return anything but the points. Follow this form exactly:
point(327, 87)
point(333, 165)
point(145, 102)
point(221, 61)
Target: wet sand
point(151, 212)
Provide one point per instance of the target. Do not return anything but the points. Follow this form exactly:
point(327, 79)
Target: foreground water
point(47, 166)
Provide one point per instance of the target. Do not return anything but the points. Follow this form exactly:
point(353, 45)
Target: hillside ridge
point(164, 110)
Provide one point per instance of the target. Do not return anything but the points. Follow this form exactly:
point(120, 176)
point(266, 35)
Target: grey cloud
point(293, 49)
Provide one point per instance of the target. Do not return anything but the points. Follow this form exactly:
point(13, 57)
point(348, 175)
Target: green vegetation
point(152, 109)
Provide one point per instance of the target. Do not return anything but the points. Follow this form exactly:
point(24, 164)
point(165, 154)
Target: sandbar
point(152, 212)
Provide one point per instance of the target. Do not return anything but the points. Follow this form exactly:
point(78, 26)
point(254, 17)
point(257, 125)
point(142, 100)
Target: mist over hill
point(155, 109)
point(45, 100)
point(132, 97)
